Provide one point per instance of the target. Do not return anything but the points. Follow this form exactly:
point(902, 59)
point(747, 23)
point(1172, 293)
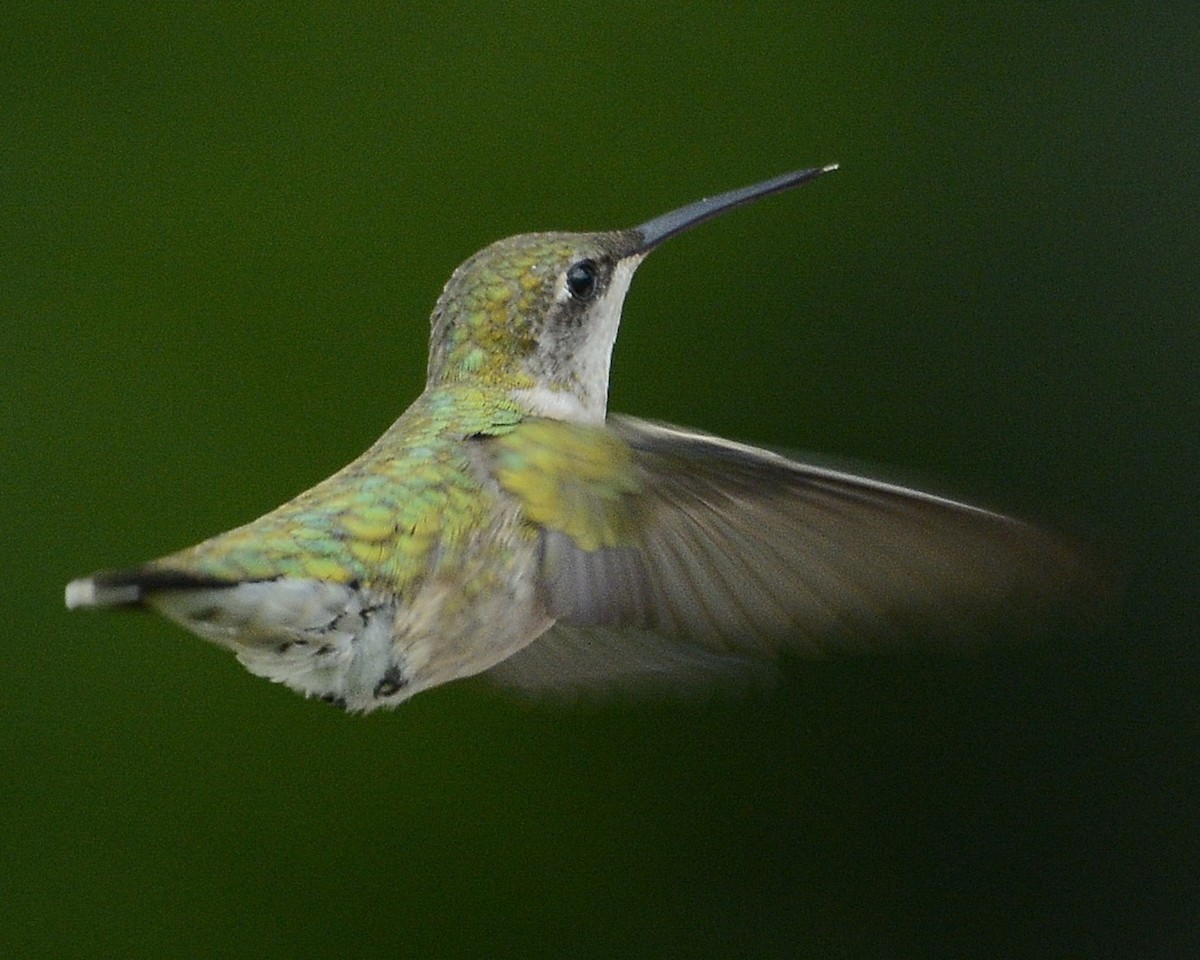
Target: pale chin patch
point(559, 405)
point(588, 402)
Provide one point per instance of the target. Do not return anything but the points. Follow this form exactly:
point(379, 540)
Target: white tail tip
point(84, 593)
point(81, 593)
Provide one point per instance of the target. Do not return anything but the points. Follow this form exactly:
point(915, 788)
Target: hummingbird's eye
point(581, 279)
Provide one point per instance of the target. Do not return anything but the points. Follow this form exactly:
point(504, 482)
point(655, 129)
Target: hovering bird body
point(507, 523)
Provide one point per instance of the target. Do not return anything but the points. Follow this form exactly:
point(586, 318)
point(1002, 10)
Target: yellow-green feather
point(486, 321)
point(395, 516)
point(577, 479)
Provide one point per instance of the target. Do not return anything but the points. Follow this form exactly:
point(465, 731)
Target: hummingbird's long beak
point(653, 232)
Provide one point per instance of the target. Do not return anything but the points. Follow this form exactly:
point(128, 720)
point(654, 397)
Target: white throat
point(584, 398)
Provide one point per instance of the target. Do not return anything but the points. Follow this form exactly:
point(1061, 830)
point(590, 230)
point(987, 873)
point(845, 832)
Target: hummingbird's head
point(537, 314)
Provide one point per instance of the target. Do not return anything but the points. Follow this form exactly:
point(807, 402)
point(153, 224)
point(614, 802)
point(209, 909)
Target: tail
point(129, 588)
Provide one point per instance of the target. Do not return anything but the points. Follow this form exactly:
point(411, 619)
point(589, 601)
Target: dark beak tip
point(653, 232)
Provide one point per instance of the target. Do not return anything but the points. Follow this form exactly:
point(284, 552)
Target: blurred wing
point(566, 661)
point(718, 548)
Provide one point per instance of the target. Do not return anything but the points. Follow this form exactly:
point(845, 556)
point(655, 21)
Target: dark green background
point(223, 226)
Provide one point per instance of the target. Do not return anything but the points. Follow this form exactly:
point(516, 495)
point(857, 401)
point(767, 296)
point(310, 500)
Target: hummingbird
point(507, 523)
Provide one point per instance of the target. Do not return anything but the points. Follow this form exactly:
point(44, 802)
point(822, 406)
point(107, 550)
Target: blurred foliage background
point(223, 227)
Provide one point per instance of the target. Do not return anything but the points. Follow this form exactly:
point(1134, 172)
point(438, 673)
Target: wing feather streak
point(737, 554)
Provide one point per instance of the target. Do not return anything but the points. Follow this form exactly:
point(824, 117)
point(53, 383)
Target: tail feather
point(129, 588)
